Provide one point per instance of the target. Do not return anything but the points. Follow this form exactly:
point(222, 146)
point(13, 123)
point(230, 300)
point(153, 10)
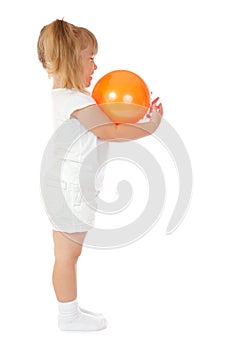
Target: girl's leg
point(66, 253)
point(71, 317)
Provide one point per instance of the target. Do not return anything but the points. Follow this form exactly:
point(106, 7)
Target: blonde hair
point(59, 50)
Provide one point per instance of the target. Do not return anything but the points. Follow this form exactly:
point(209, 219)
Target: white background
point(162, 292)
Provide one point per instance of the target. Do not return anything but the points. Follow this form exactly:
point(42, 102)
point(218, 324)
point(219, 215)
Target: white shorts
point(69, 208)
point(82, 204)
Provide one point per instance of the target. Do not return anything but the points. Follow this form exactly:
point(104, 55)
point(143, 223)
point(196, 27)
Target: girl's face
point(89, 65)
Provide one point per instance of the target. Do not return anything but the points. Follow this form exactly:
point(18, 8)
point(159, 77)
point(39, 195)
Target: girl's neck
point(58, 83)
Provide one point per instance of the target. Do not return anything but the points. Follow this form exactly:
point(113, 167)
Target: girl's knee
point(66, 250)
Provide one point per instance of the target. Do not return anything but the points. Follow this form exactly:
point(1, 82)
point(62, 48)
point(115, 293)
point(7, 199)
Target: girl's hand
point(154, 107)
point(155, 112)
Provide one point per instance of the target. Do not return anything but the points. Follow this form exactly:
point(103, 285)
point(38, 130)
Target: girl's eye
point(92, 59)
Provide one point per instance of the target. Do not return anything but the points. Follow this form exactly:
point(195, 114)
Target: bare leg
point(71, 316)
point(66, 253)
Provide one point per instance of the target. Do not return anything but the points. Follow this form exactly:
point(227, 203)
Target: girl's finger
point(155, 101)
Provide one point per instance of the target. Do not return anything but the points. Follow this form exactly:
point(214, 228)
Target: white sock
point(90, 312)
point(71, 318)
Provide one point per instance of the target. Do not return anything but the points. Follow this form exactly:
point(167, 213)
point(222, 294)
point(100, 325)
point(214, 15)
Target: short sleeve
point(66, 101)
point(79, 100)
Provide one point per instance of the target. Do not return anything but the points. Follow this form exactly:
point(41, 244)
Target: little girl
point(67, 53)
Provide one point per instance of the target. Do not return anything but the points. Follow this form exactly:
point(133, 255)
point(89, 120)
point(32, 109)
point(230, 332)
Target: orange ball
point(123, 96)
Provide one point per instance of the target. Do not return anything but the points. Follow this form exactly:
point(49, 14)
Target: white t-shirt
point(64, 103)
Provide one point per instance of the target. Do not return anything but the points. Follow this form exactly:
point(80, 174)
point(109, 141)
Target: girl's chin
point(88, 83)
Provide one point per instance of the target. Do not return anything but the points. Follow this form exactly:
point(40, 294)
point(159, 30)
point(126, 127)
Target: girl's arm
point(95, 120)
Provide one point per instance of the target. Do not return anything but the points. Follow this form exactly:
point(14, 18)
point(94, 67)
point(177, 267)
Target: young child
point(67, 53)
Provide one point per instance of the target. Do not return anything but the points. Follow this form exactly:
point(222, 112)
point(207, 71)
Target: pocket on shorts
point(72, 193)
point(77, 196)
